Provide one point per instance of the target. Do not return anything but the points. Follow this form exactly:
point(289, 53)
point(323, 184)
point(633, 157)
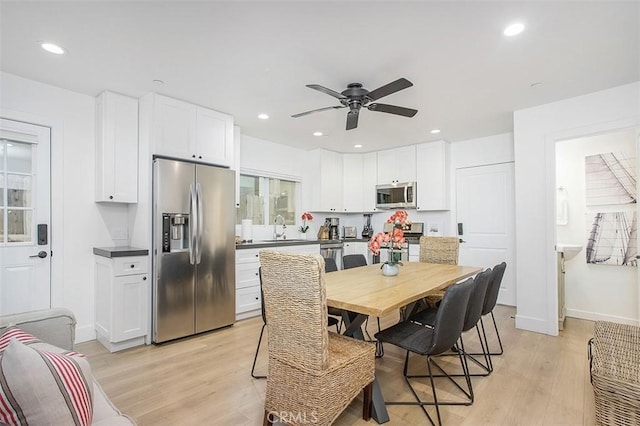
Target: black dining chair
point(264, 324)
point(432, 340)
point(490, 301)
point(471, 320)
point(331, 266)
point(353, 261)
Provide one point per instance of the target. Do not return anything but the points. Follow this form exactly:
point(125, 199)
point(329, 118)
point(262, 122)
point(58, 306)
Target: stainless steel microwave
point(396, 196)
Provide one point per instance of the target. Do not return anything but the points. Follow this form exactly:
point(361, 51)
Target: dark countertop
point(121, 251)
point(278, 243)
point(295, 242)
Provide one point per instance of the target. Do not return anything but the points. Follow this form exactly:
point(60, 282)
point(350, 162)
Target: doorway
point(25, 217)
point(485, 211)
point(596, 191)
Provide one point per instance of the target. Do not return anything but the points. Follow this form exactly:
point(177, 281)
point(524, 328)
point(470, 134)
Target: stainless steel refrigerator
point(194, 248)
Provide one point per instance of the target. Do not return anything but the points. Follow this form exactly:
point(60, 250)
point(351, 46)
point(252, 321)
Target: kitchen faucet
point(275, 229)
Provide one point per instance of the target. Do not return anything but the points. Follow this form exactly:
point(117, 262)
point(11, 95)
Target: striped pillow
point(14, 332)
point(42, 387)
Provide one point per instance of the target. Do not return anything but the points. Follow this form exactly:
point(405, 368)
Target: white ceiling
point(246, 58)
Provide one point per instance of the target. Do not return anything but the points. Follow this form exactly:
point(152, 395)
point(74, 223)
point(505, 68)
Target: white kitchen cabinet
point(433, 176)
point(116, 148)
point(121, 301)
point(215, 137)
point(326, 185)
point(397, 165)
point(369, 179)
point(248, 297)
point(353, 182)
point(186, 131)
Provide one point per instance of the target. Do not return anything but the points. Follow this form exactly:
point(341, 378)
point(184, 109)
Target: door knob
point(42, 254)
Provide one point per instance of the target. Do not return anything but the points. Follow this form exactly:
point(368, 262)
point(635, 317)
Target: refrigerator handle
point(192, 225)
point(200, 216)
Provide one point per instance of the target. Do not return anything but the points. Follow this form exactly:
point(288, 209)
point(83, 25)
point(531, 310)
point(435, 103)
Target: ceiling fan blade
point(352, 119)
point(392, 109)
point(327, 91)
point(387, 89)
point(300, 114)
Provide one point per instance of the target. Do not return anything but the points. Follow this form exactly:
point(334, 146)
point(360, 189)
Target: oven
point(412, 233)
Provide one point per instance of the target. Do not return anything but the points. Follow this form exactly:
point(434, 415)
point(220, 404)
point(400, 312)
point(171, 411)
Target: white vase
point(390, 270)
point(303, 235)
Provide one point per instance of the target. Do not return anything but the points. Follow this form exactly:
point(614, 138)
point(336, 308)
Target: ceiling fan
point(356, 97)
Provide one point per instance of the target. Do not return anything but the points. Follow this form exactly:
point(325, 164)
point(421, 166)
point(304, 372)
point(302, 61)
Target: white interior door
point(485, 209)
point(25, 203)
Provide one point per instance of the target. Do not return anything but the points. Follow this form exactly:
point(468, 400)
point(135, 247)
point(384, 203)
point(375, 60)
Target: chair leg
point(367, 401)
point(497, 334)
point(267, 420)
point(487, 366)
point(255, 358)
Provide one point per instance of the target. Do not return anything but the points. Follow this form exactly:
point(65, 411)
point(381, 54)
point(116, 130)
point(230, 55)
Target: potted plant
point(393, 240)
point(304, 227)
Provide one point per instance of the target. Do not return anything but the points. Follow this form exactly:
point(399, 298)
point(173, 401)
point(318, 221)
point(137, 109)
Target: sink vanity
point(564, 252)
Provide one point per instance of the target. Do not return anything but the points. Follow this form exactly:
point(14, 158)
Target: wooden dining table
point(364, 291)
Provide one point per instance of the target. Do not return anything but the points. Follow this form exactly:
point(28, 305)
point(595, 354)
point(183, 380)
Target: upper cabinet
point(325, 183)
point(116, 148)
point(186, 131)
point(370, 173)
point(353, 182)
point(397, 165)
point(433, 175)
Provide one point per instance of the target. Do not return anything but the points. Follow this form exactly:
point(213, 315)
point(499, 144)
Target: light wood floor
point(205, 380)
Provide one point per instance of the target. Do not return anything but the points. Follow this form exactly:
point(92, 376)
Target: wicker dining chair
point(314, 374)
point(442, 250)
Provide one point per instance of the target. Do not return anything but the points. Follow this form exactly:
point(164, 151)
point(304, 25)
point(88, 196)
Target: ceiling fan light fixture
point(513, 29)
point(52, 48)
point(263, 116)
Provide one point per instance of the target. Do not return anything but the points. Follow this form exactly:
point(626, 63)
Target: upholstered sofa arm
point(54, 326)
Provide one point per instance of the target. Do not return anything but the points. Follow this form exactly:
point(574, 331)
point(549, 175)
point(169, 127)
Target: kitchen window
point(263, 198)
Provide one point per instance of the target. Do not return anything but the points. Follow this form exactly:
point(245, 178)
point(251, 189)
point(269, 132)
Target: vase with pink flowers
point(393, 241)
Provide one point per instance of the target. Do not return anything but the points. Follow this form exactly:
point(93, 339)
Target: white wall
point(78, 224)
point(595, 292)
point(536, 131)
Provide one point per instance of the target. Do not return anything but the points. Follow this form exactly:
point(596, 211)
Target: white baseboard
point(85, 333)
point(531, 324)
point(595, 316)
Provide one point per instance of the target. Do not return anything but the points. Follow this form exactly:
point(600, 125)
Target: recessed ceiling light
point(263, 116)
point(514, 29)
point(434, 131)
point(357, 145)
point(158, 82)
point(52, 48)
point(535, 84)
point(318, 133)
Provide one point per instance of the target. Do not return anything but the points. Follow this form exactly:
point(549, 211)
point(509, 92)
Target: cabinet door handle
point(133, 266)
point(144, 278)
point(111, 197)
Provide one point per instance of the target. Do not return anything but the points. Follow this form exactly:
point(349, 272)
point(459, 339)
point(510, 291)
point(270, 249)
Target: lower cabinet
point(414, 252)
point(248, 297)
point(121, 301)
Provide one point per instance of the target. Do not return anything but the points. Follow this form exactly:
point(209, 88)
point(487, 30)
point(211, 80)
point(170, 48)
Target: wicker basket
point(615, 373)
